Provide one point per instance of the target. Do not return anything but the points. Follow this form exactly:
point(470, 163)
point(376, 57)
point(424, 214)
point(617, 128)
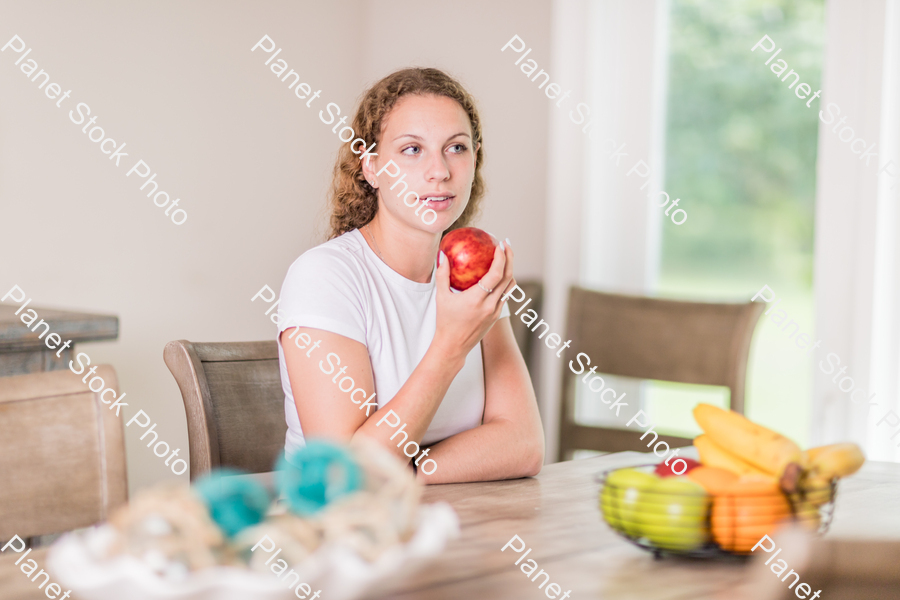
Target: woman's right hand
point(463, 318)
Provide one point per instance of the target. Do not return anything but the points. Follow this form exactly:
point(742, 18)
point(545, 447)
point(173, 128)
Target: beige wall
point(177, 82)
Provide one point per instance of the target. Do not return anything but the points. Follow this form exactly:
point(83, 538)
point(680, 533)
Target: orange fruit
point(713, 479)
point(747, 510)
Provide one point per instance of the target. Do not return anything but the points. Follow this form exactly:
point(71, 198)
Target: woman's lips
point(441, 204)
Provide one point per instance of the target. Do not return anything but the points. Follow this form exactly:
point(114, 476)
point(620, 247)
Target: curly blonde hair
point(353, 201)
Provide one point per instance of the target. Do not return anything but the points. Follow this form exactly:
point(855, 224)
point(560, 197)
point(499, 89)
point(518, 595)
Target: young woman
point(368, 310)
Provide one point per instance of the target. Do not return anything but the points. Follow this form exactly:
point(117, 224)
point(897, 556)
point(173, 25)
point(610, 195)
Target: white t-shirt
point(343, 287)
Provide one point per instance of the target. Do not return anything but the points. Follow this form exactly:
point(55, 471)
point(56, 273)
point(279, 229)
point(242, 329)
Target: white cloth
point(342, 286)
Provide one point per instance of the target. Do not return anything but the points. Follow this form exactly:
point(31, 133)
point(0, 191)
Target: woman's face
point(429, 138)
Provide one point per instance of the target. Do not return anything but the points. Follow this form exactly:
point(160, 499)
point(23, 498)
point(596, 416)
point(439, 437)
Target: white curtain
point(626, 60)
point(856, 253)
point(564, 201)
point(602, 231)
point(885, 368)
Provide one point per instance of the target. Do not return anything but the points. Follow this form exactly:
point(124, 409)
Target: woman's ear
point(368, 171)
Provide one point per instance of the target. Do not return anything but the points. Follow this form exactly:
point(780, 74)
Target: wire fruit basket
point(679, 517)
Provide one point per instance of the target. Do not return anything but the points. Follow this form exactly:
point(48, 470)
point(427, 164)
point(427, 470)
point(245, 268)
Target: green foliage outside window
point(741, 146)
point(741, 155)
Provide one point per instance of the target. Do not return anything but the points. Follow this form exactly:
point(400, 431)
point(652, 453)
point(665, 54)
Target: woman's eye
point(458, 148)
point(407, 150)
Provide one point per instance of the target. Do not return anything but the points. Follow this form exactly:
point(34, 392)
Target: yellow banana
point(814, 452)
point(835, 460)
point(816, 491)
point(807, 514)
point(711, 455)
point(763, 448)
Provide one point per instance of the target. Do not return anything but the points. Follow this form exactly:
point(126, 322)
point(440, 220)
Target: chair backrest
point(63, 453)
point(233, 401)
point(650, 338)
point(524, 338)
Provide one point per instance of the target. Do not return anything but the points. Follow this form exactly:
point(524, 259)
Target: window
point(740, 152)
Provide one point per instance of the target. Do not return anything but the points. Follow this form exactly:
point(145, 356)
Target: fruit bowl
point(679, 516)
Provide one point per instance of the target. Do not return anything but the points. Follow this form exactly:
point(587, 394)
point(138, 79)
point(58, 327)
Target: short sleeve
point(323, 289)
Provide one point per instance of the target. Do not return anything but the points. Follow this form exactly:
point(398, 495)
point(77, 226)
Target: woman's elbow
point(533, 459)
point(535, 466)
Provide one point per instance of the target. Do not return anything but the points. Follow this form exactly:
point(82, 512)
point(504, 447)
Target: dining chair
point(63, 453)
point(534, 290)
point(233, 401)
point(651, 338)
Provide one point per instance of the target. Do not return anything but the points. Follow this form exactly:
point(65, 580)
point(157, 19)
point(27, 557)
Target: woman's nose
point(437, 169)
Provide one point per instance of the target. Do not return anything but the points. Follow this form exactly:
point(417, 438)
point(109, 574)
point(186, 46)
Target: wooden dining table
point(556, 515)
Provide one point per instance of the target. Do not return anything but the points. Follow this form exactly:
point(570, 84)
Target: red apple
point(665, 470)
point(470, 252)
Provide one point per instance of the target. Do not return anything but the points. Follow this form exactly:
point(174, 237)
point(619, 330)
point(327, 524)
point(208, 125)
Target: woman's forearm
point(510, 443)
point(500, 449)
point(416, 403)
